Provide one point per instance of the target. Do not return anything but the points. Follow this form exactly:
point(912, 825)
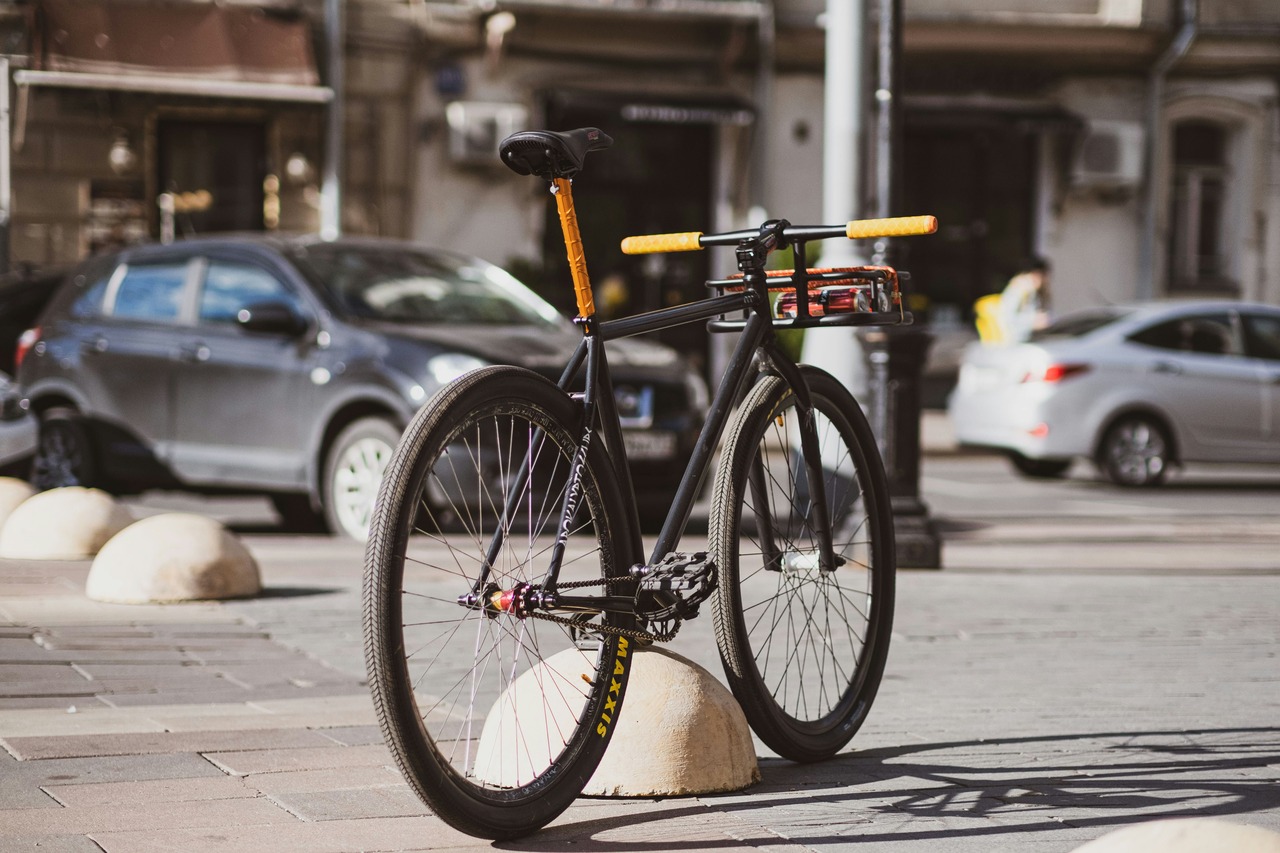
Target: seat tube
point(563, 190)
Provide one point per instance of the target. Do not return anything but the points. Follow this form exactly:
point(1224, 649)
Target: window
point(1263, 333)
point(408, 286)
point(1079, 324)
point(89, 303)
point(228, 287)
point(1209, 334)
point(151, 292)
point(1199, 219)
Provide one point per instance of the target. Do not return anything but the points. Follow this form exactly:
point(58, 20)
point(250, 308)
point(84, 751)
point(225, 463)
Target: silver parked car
point(1136, 389)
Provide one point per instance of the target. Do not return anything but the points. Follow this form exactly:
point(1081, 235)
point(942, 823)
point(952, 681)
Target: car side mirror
point(272, 317)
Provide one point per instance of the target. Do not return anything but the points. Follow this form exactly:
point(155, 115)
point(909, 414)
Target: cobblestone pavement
point(1060, 678)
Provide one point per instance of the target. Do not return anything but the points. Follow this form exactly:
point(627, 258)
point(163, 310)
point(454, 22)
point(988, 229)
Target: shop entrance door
point(227, 160)
point(655, 179)
point(979, 182)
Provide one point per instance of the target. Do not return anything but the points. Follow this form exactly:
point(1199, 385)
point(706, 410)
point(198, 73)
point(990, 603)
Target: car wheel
point(63, 455)
point(1135, 452)
point(297, 515)
point(352, 473)
point(1040, 469)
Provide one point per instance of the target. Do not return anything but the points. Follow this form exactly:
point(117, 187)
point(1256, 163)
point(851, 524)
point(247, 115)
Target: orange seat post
point(563, 189)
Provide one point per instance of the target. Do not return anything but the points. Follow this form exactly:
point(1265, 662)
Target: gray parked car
point(1137, 389)
point(289, 367)
point(17, 428)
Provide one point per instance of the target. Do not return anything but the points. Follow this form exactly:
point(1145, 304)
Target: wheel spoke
point(500, 700)
point(803, 646)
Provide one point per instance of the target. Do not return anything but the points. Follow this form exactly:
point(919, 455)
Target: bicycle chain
point(613, 630)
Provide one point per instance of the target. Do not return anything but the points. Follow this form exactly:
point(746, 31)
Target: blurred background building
point(1134, 144)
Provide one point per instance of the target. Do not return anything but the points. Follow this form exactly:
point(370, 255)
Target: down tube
point(727, 394)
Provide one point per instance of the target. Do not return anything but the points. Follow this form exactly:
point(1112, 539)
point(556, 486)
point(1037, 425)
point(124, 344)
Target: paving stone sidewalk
point(1028, 710)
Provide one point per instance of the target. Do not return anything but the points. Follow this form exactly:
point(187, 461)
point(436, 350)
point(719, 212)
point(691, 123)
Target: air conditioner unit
point(1110, 155)
point(476, 128)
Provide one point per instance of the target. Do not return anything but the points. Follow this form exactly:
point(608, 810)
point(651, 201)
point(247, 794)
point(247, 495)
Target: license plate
point(649, 445)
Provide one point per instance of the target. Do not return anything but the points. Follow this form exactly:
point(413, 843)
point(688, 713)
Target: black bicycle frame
point(600, 413)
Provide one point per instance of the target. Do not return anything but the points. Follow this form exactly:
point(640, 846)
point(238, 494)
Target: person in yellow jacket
point(1021, 308)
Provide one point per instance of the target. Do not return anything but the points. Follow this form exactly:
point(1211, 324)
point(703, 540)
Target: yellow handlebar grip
point(686, 241)
point(900, 226)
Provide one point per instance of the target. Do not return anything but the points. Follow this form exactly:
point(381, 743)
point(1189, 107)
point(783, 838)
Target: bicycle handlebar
point(648, 244)
point(858, 229)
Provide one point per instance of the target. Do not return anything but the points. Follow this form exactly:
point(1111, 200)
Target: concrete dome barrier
point(62, 524)
point(1186, 835)
point(680, 733)
point(12, 493)
point(173, 557)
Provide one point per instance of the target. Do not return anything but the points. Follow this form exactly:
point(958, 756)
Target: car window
point(1209, 334)
point(151, 292)
point(230, 286)
point(410, 286)
point(1263, 333)
point(1079, 324)
point(89, 303)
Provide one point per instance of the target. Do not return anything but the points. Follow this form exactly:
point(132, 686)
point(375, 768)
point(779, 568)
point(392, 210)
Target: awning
point(198, 49)
point(1025, 115)
point(659, 107)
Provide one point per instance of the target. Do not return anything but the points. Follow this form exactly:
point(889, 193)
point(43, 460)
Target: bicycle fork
point(811, 456)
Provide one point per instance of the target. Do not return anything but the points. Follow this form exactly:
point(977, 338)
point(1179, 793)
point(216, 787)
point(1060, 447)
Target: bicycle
point(506, 588)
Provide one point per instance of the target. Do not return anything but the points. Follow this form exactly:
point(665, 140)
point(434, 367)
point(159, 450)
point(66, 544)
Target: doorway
point(226, 160)
point(979, 181)
point(655, 179)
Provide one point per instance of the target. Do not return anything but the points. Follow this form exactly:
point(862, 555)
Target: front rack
point(840, 296)
point(843, 296)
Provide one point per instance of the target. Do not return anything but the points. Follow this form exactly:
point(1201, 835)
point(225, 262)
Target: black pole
point(899, 358)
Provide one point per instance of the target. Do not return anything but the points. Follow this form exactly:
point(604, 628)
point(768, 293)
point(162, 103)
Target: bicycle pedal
point(676, 572)
point(674, 587)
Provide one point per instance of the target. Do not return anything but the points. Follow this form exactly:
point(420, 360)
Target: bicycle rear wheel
point(496, 721)
point(803, 648)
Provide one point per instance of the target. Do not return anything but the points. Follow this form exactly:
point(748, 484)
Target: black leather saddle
point(548, 154)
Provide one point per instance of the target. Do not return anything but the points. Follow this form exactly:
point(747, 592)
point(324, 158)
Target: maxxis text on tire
point(436, 667)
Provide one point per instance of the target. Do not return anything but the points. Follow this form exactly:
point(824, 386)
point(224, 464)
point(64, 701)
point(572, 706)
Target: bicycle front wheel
point(496, 718)
point(803, 646)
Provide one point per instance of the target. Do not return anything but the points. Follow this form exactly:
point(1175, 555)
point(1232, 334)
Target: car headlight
point(446, 367)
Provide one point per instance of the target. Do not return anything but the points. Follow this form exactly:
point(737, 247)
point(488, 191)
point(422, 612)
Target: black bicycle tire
point(779, 728)
point(498, 813)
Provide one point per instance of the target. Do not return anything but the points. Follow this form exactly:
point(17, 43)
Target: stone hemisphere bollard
point(681, 731)
point(62, 524)
point(12, 493)
point(173, 557)
point(1186, 835)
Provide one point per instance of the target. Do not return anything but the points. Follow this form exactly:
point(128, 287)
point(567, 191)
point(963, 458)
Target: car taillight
point(1055, 373)
point(25, 342)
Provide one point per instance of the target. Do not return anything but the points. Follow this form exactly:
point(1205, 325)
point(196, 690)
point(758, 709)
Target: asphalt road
point(1204, 519)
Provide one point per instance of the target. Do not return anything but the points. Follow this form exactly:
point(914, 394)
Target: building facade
point(1134, 144)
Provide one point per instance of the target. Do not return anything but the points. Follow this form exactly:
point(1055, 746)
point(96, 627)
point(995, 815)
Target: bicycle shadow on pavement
point(1082, 784)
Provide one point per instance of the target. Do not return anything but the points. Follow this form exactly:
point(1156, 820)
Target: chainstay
point(612, 630)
